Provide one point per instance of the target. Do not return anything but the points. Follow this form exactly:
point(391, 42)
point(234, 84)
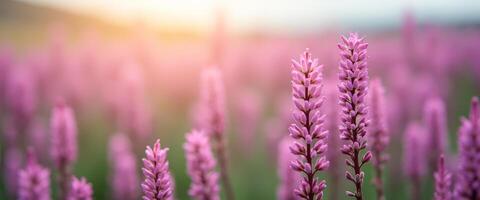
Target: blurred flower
point(436, 124)
point(443, 181)
point(157, 183)
point(63, 143)
point(128, 104)
point(277, 127)
point(248, 113)
point(38, 138)
point(337, 167)
point(415, 156)
point(289, 181)
point(379, 136)
point(212, 112)
point(124, 179)
point(64, 135)
point(308, 131)
point(212, 100)
point(468, 178)
point(21, 97)
point(80, 189)
point(13, 162)
point(201, 167)
point(353, 89)
point(34, 181)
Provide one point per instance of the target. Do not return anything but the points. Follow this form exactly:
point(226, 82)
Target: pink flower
point(308, 131)
point(443, 181)
point(34, 181)
point(63, 143)
point(201, 167)
point(379, 136)
point(415, 158)
point(124, 179)
point(353, 89)
point(436, 124)
point(80, 189)
point(157, 184)
point(468, 179)
point(212, 100)
point(64, 135)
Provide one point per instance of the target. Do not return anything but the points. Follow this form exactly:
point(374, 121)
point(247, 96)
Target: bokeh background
point(139, 62)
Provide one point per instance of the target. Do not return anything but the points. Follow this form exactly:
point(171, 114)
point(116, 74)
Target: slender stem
point(416, 184)
point(334, 190)
point(356, 153)
point(223, 162)
point(356, 167)
point(310, 175)
point(379, 182)
point(63, 180)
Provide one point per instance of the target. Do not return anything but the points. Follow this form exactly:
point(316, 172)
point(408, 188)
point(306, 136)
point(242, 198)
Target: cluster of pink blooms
point(201, 167)
point(326, 128)
point(308, 131)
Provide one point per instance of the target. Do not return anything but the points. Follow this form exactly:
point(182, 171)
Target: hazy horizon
point(272, 16)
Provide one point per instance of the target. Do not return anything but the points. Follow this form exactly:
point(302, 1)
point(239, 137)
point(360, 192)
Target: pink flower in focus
point(157, 184)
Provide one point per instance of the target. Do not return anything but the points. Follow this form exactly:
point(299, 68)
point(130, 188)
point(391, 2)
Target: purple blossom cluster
point(64, 135)
point(210, 117)
point(378, 134)
point(201, 167)
point(468, 177)
point(436, 125)
point(80, 189)
point(308, 131)
point(123, 168)
point(443, 181)
point(415, 164)
point(63, 143)
point(34, 181)
point(157, 183)
point(353, 90)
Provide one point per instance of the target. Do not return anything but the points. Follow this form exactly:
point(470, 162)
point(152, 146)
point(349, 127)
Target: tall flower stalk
point(443, 181)
point(201, 167)
point(336, 168)
point(353, 89)
point(308, 131)
point(80, 189)
point(212, 101)
point(21, 98)
point(34, 181)
point(468, 179)
point(436, 124)
point(158, 183)
point(414, 157)
point(12, 160)
point(124, 179)
point(63, 144)
point(378, 136)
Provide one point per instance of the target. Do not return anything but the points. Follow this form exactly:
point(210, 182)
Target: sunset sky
point(273, 15)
